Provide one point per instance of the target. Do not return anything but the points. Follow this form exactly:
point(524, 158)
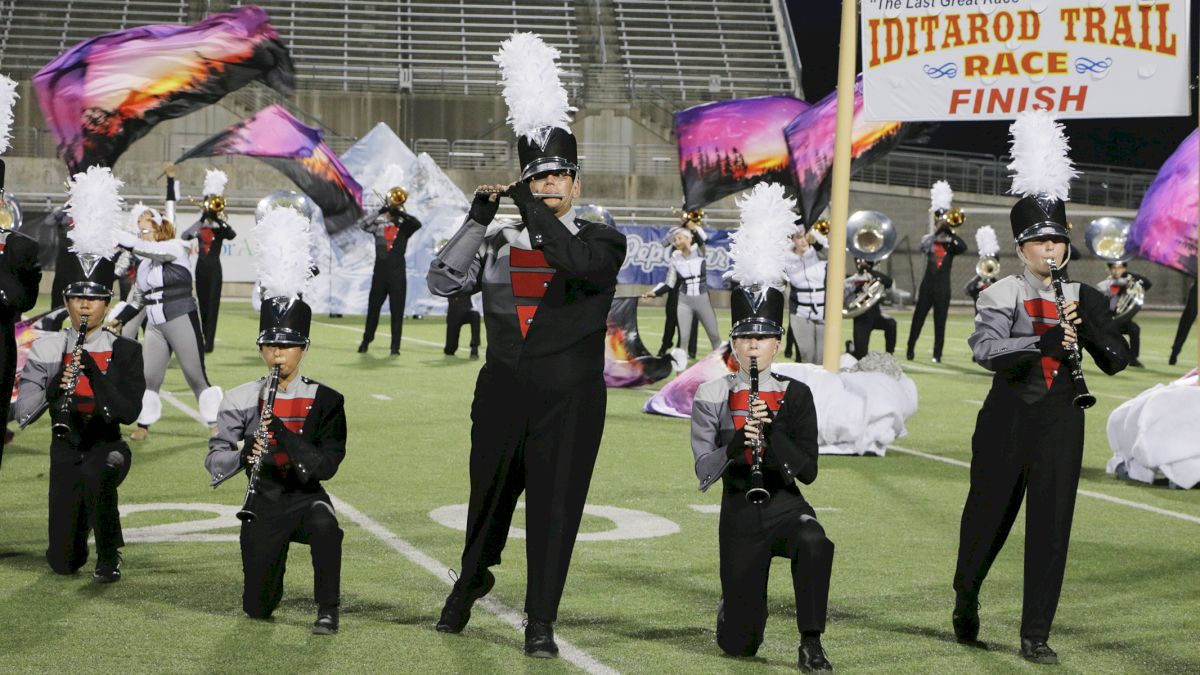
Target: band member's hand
point(520, 193)
point(68, 374)
point(648, 295)
point(759, 410)
point(114, 326)
point(484, 206)
point(753, 429)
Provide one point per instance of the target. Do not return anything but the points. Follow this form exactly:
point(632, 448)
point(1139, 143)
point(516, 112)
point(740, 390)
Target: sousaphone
point(869, 236)
point(1106, 237)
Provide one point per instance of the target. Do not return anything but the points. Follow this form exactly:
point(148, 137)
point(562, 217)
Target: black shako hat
point(560, 153)
point(756, 310)
point(1038, 216)
point(97, 282)
point(284, 321)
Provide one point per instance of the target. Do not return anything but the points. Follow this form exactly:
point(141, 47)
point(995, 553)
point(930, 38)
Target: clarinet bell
point(246, 515)
point(1084, 401)
point(758, 496)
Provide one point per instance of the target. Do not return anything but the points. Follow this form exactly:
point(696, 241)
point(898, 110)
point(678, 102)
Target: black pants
point(541, 441)
point(456, 317)
point(865, 323)
point(391, 282)
point(208, 294)
point(1022, 452)
point(750, 536)
point(8, 371)
point(83, 498)
point(305, 519)
point(1134, 331)
point(1185, 322)
point(936, 296)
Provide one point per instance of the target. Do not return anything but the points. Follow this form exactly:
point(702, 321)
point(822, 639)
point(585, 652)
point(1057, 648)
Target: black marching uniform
point(460, 313)
point(392, 227)
point(210, 232)
point(538, 413)
point(307, 445)
point(1185, 324)
point(873, 318)
point(1028, 441)
point(20, 275)
point(940, 249)
point(90, 459)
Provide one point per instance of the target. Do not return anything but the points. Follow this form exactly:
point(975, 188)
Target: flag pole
point(840, 194)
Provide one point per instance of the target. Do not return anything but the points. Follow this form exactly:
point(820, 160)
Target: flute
point(503, 192)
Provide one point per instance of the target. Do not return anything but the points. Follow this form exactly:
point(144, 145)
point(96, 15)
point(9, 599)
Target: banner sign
point(646, 255)
point(991, 59)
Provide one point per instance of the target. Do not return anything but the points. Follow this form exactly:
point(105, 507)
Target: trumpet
point(211, 205)
point(821, 226)
point(503, 192)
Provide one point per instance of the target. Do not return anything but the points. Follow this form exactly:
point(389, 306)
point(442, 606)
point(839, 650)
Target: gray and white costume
point(690, 275)
point(806, 304)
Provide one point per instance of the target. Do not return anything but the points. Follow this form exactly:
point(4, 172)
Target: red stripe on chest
point(206, 239)
point(739, 402)
point(83, 387)
point(939, 253)
point(1045, 317)
point(389, 235)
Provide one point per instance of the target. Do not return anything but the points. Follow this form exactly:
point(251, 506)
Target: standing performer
point(211, 231)
point(692, 222)
point(873, 318)
point(292, 432)
point(688, 275)
point(1185, 324)
point(1118, 283)
point(392, 227)
point(538, 414)
point(91, 382)
point(164, 290)
point(806, 302)
point(989, 263)
point(461, 311)
point(1029, 432)
point(757, 433)
point(940, 249)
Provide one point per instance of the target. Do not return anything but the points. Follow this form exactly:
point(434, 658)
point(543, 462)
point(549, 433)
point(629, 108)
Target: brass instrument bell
point(214, 204)
point(954, 218)
point(987, 267)
point(10, 211)
point(396, 197)
point(870, 235)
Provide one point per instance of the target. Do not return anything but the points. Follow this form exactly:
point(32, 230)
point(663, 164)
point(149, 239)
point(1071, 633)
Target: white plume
point(536, 99)
point(282, 244)
point(762, 244)
point(985, 241)
point(8, 98)
point(1040, 163)
point(215, 181)
point(96, 207)
point(941, 197)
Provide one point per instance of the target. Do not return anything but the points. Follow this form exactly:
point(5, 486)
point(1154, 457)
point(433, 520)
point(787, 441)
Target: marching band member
point(1185, 324)
point(538, 413)
point(1029, 432)
point(873, 318)
point(989, 263)
point(688, 275)
point(392, 227)
point(91, 382)
point(763, 513)
point(806, 302)
point(940, 249)
point(1119, 279)
point(297, 443)
point(461, 311)
point(164, 290)
point(211, 232)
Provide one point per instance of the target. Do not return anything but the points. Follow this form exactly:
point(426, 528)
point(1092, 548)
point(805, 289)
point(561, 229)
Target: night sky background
point(1136, 143)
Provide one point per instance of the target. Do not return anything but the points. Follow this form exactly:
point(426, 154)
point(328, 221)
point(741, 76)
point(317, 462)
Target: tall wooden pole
point(840, 195)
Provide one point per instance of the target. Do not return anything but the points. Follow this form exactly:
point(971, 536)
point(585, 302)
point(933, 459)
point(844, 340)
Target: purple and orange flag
point(1164, 230)
point(106, 92)
point(276, 137)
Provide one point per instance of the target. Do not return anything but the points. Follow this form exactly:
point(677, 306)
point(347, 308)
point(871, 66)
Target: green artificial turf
point(636, 605)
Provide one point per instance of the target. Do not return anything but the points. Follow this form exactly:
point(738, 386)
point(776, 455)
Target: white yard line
point(584, 661)
point(716, 508)
point(381, 397)
point(1086, 493)
point(381, 333)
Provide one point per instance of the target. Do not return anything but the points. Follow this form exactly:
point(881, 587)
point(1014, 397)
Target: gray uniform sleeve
point(40, 366)
point(708, 448)
point(992, 343)
point(456, 268)
point(224, 456)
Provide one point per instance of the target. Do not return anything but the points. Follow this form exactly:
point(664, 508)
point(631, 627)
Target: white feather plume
point(941, 197)
point(8, 98)
point(986, 242)
point(761, 246)
point(97, 210)
point(530, 76)
point(1041, 165)
point(282, 245)
point(215, 181)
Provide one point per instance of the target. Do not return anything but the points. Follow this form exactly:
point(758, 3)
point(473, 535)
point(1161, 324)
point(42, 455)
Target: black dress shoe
point(108, 569)
point(457, 610)
point(362, 347)
point(395, 351)
point(1037, 651)
point(1174, 358)
point(327, 621)
point(909, 354)
point(539, 640)
point(966, 619)
point(1135, 363)
point(474, 352)
point(812, 657)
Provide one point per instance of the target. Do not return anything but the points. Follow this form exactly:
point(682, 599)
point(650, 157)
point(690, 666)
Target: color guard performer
point(757, 433)
point(1029, 432)
point(806, 301)
point(392, 227)
point(289, 432)
point(692, 221)
point(211, 232)
point(91, 382)
point(687, 276)
point(538, 413)
point(940, 249)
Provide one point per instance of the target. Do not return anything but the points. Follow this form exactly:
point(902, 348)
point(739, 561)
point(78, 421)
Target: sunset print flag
point(728, 146)
point(1165, 228)
point(276, 137)
point(106, 92)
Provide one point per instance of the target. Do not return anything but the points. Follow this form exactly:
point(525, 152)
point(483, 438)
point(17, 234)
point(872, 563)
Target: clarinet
point(61, 424)
point(1083, 398)
point(757, 494)
point(261, 437)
